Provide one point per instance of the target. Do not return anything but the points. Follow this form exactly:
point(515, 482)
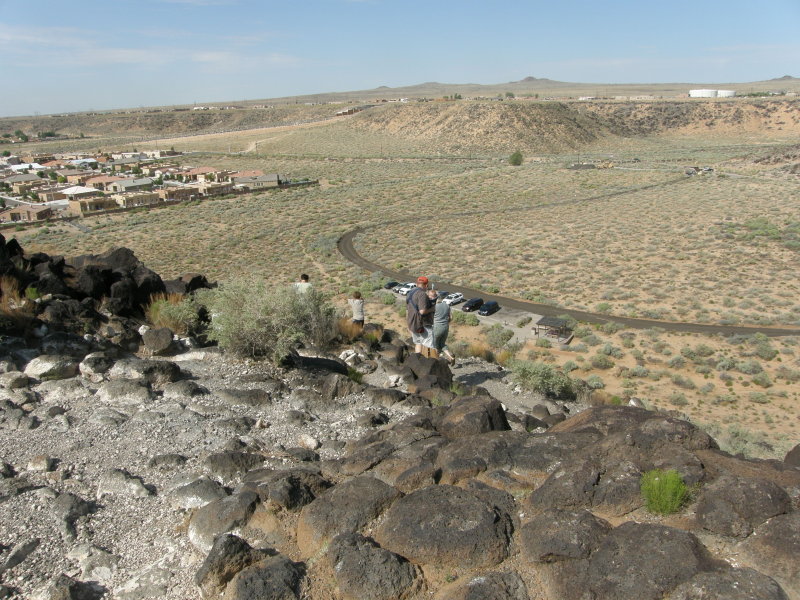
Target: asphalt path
point(347, 249)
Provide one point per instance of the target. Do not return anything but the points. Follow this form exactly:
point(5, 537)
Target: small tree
point(515, 159)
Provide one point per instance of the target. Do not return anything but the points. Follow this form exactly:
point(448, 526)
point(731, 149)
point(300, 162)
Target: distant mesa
point(784, 78)
point(528, 79)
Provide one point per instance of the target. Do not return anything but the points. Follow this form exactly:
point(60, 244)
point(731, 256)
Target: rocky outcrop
point(135, 475)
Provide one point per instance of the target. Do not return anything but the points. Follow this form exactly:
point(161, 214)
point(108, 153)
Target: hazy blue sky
point(99, 54)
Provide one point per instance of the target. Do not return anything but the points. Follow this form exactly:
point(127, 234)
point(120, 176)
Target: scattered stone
point(773, 549)
point(41, 463)
point(274, 578)
point(557, 535)
point(733, 584)
point(198, 493)
point(47, 367)
point(220, 516)
point(365, 571)
point(245, 397)
point(158, 342)
point(446, 525)
point(124, 392)
point(489, 586)
point(120, 482)
point(344, 508)
point(734, 506)
point(228, 555)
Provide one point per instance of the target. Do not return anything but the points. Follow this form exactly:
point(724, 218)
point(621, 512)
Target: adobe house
point(132, 199)
point(26, 214)
point(82, 206)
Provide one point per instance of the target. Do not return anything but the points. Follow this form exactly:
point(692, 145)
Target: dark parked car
point(472, 304)
point(390, 285)
point(488, 308)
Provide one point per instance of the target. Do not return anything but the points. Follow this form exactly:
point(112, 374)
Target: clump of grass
point(664, 492)
point(348, 330)
point(481, 350)
point(175, 311)
point(15, 312)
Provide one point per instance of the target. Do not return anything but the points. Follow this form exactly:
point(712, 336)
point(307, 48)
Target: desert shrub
point(704, 350)
point(582, 331)
point(758, 397)
point(664, 492)
point(389, 300)
point(592, 340)
point(542, 378)
point(703, 369)
point(569, 366)
point(580, 348)
point(543, 343)
point(611, 327)
point(179, 313)
point(678, 399)
point(515, 159)
point(765, 351)
point(594, 382)
point(462, 318)
point(676, 362)
point(639, 371)
point(610, 350)
point(601, 361)
point(706, 388)
point(790, 375)
point(748, 367)
point(682, 382)
point(762, 380)
point(725, 364)
point(250, 317)
point(497, 336)
point(688, 352)
point(524, 321)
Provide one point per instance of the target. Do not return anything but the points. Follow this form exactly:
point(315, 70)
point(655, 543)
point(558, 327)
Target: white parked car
point(406, 288)
point(453, 298)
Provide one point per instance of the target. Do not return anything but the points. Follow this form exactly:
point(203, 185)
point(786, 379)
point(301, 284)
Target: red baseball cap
point(422, 279)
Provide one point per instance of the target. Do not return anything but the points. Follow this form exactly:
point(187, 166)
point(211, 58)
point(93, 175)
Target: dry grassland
point(641, 239)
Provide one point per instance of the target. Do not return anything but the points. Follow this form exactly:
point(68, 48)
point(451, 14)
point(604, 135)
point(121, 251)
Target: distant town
point(37, 187)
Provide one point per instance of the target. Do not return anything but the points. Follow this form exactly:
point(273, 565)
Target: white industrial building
point(712, 93)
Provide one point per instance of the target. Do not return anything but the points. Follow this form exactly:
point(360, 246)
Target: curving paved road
point(348, 251)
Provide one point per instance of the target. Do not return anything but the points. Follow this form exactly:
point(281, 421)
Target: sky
point(58, 56)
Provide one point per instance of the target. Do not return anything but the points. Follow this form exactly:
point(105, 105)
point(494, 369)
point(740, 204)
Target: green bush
point(543, 343)
point(601, 361)
point(542, 378)
point(497, 336)
point(250, 317)
point(524, 321)
point(389, 300)
point(515, 159)
point(179, 313)
point(462, 318)
point(594, 382)
point(664, 492)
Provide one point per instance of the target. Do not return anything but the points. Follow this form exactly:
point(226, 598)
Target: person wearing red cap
point(419, 315)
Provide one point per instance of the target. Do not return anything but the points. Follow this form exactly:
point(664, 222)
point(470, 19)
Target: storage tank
point(702, 93)
point(726, 93)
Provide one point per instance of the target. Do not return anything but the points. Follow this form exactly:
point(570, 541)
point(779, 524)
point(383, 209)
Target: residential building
point(51, 194)
point(259, 181)
point(78, 192)
point(102, 182)
point(212, 188)
point(187, 192)
point(131, 184)
point(82, 206)
point(25, 212)
point(131, 199)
